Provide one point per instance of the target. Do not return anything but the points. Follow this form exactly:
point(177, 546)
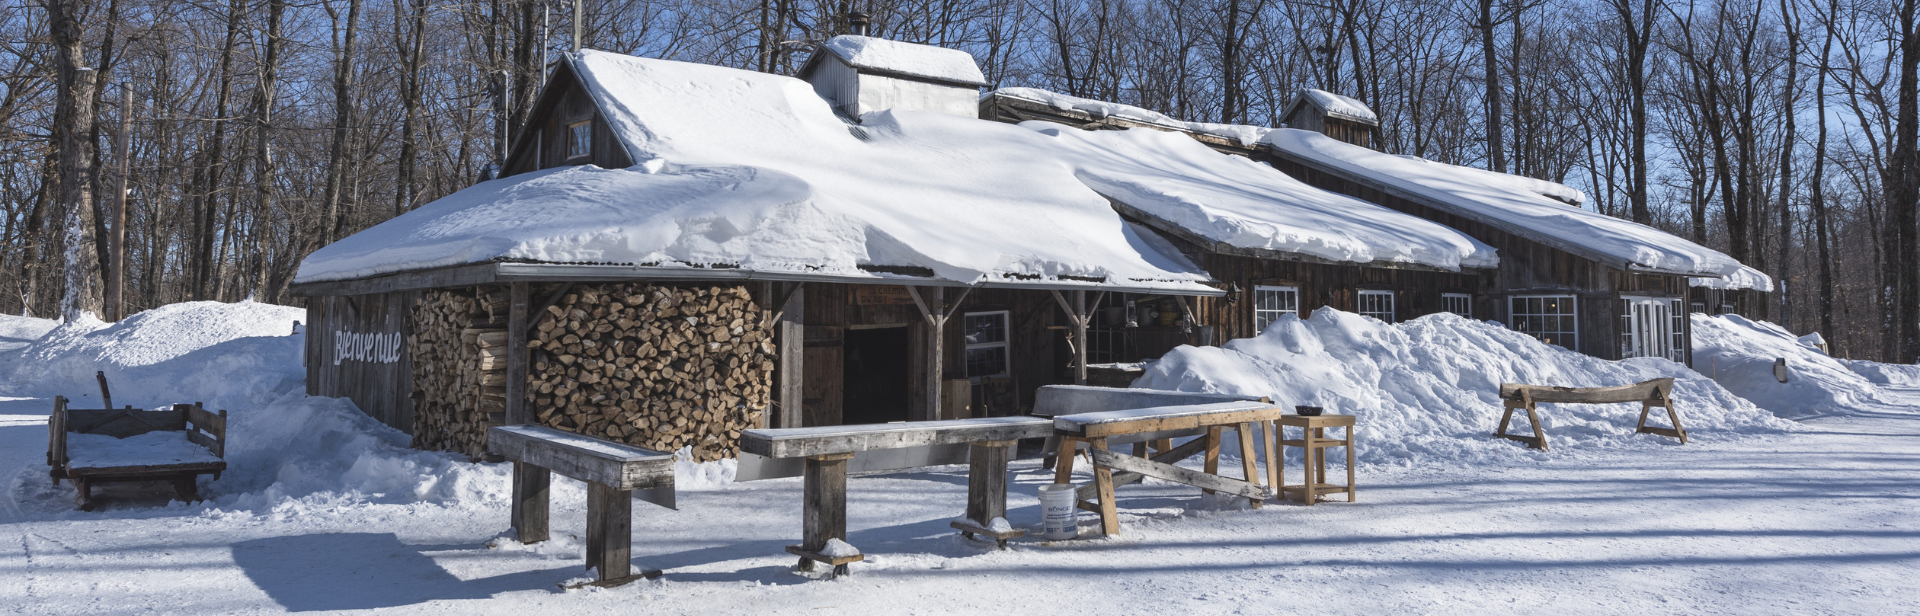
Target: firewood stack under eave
point(655, 367)
point(459, 352)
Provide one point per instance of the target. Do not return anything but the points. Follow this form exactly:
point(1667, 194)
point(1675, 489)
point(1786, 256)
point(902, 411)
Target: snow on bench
point(99, 452)
point(95, 446)
point(612, 471)
point(1095, 429)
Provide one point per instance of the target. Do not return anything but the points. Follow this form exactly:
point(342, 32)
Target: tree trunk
point(1496, 156)
point(1819, 199)
point(333, 224)
point(1903, 188)
point(72, 128)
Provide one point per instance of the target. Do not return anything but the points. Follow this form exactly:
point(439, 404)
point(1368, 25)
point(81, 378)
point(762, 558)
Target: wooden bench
point(827, 450)
point(612, 472)
point(96, 446)
point(1057, 400)
point(1650, 394)
point(1098, 430)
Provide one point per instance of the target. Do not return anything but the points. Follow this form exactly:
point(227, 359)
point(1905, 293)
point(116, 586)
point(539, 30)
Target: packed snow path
point(1818, 521)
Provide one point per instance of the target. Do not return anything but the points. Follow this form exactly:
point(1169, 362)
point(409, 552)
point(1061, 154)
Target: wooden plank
point(437, 278)
point(825, 440)
point(987, 480)
point(1644, 390)
point(585, 458)
point(1103, 483)
point(1176, 454)
point(57, 438)
point(531, 489)
point(144, 471)
point(518, 307)
point(1076, 400)
point(824, 502)
point(790, 391)
point(609, 531)
point(1165, 418)
point(1177, 474)
point(122, 423)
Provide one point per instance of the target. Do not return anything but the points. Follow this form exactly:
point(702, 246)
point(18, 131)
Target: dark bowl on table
point(1308, 411)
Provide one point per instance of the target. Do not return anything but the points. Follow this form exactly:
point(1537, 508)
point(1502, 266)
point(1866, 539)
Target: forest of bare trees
point(156, 151)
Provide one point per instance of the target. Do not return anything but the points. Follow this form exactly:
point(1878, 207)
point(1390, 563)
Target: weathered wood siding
point(1416, 293)
point(381, 386)
point(1526, 267)
point(832, 309)
point(542, 143)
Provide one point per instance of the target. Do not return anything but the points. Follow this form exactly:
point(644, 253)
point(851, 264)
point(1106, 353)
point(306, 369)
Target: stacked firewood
point(653, 366)
point(459, 354)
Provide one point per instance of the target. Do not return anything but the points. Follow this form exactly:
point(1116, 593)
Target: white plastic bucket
point(1058, 516)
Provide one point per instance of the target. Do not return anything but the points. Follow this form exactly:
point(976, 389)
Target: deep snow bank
point(1886, 375)
point(226, 355)
point(1739, 353)
point(17, 332)
point(1428, 389)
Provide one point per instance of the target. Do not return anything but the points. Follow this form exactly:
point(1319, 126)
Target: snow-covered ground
point(326, 510)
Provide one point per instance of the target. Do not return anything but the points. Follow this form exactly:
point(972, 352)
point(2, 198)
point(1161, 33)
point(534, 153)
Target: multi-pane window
point(579, 139)
point(1699, 307)
point(1726, 309)
point(1550, 318)
point(986, 336)
point(1679, 351)
point(1271, 302)
point(1377, 304)
point(1457, 303)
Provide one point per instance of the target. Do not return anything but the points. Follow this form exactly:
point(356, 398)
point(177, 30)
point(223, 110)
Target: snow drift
point(1739, 353)
point(225, 355)
point(1428, 390)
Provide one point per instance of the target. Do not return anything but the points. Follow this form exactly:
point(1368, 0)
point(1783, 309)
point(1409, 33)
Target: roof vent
point(861, 74)
point(857, 23)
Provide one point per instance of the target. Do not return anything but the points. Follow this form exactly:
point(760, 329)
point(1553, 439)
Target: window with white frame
point(1679, 352)
point(1726, 309)
point(1270, 302)
point(986, 337)
point(1377, 304)
point(1457, 303)
point(1699, 307)
point(579, 139)
point(1552, 319)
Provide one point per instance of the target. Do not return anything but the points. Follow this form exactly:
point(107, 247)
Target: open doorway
point(876, 376)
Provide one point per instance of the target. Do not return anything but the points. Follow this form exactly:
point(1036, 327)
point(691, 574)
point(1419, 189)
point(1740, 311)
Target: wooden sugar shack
point(1558, 288)
point(672, 355)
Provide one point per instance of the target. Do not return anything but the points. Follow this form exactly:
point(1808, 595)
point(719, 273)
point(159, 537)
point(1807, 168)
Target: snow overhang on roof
point(1335, 105)
point(1514, 205)
point(753, 174)
point(884, 56)
point(1233, 204)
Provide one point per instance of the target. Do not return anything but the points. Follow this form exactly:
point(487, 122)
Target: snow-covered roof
point(1245, 204)
point(1343, 107)
point(1746, 278)
point(749, 171)
point(940, 63)
point(1244, 135)
point(1500, 201)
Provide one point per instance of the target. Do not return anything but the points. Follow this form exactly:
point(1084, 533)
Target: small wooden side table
point(1313, 441)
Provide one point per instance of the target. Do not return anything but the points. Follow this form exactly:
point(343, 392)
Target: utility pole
point(117, 244)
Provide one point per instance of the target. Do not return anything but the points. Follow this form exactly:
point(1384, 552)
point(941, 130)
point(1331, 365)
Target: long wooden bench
point(1650, 394)
point(1099, 430)
point(96, 446)
point(828, 449)
point(612, 472)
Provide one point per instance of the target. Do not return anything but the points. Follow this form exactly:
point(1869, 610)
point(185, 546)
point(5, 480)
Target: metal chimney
point(857, 23)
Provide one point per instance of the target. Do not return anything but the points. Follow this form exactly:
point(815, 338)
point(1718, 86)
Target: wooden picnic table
point(1096, 429)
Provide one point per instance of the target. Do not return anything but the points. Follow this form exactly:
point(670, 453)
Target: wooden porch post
point(793, 352)
point(1081, 315)
point(517, 318)
point(936, 312)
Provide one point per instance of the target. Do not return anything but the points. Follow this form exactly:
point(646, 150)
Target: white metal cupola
point(860, 74)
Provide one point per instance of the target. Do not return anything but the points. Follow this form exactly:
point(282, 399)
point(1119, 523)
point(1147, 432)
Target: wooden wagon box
point(94, 446)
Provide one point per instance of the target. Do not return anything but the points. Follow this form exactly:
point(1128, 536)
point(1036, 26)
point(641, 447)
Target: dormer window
point(579, 140)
